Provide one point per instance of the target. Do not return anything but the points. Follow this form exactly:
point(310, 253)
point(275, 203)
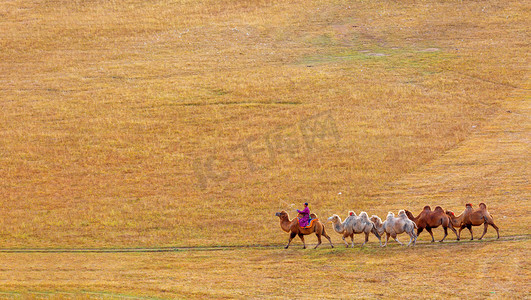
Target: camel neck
point(285, 224)
point(456, 221)
point(338, 227)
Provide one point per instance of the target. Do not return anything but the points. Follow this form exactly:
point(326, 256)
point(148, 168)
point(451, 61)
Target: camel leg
point(291, 236)
point(495, 227)
point(301, 236)
point(345, 241)
point(366, 239)
point(445, 233)
point(327, 237)
point(396, 238)
point(471, 233)
point(419, 230)
point(484, 230)
point(459, 235)
point(412, 238)
point(376, 234)
point(318, 241)
point(386, 240)
point(428, 229)
point(455, 231)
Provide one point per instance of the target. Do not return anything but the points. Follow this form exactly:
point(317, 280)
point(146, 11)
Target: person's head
point(306, 204)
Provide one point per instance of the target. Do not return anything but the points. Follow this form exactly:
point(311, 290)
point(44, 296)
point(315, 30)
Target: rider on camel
point(305, 218)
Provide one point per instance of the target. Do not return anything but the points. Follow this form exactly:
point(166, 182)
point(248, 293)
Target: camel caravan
point(306, 223)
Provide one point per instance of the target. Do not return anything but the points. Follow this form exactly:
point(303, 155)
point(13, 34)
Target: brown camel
point(472, 217)
point(428, 219)
point(294, 229)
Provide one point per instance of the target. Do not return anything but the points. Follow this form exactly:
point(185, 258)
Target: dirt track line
point(128, 250)
point(227, 247)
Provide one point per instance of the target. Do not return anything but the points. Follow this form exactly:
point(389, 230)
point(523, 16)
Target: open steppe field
point(145, 146)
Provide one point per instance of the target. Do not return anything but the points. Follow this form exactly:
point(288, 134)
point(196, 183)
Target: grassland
point(185, 123)
point(326, 273)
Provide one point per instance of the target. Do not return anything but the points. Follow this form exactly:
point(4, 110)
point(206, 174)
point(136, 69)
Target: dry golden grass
point(189, 123)
point(432, 271)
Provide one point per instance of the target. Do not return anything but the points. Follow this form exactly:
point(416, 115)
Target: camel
point(378, 224)
point(470, 217)
point(394, 226)
point(353, 225)
point(293, 228)
point(428, 219)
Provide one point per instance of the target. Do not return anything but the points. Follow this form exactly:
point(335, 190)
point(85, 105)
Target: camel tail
point(489, 218)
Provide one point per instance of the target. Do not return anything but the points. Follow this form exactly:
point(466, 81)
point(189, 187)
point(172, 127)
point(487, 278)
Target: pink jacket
point(303, 221)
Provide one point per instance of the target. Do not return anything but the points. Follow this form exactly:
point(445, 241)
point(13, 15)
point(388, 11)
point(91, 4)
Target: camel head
point(468, 205)
point(351, 213)
point(376, 220)
point(334, 219)
point(450, 213)
point(282, 215)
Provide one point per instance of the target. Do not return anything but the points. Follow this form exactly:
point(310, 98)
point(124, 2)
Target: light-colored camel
point(378, 224)
point(293, 228)
point(394, 226)
point(428, 219)
point(354, 224)
point(472, 217)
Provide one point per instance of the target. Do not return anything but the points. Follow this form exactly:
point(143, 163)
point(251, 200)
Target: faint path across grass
point(231, 247)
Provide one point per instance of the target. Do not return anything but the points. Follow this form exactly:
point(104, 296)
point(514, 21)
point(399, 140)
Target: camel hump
point(313, 216)
point(351, 213)
point(482, 205)
point(390, 215)
point(402, 214)
point(364, 215)
point(439, 209)
point(427, 207)
point(468, 205)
